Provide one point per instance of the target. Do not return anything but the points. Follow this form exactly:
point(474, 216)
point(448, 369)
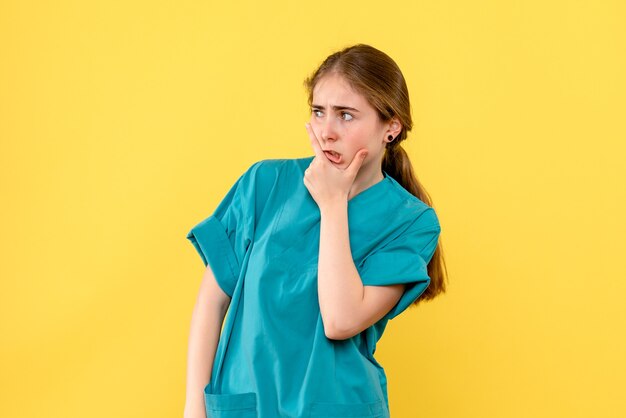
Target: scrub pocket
point(238, 405)
point(346, 410)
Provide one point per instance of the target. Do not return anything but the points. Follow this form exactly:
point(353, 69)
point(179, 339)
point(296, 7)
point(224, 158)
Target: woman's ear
point(394, 129)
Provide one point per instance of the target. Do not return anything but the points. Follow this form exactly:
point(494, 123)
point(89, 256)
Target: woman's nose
point(328, 131)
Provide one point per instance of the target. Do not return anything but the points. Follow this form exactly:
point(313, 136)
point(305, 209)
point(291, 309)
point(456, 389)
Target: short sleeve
point(223, 238)
point(404, 260)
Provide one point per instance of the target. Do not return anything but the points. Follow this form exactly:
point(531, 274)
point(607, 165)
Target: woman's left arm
point(347, 307)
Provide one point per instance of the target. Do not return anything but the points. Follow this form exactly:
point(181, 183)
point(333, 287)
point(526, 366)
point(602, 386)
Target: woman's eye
point(344, 115)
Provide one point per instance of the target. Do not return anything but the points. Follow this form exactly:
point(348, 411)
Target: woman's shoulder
point(265, 169)
point(413, 209)
point(406, 198)
point(270, 169)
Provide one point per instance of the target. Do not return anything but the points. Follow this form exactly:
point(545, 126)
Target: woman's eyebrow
point(340, 107)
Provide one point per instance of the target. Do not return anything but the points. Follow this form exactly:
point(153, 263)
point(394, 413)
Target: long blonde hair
point(378, 78)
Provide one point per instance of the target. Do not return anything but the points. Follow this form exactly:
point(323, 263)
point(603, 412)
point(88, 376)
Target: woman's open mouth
point(333, 156)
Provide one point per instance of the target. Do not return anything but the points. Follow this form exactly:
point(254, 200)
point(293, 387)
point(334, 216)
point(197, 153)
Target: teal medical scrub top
point(262, 242)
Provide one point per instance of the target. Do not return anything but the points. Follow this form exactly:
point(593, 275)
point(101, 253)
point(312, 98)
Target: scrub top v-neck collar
point(372, 188)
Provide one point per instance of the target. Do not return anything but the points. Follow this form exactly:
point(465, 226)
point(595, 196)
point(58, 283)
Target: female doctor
point(311, 257)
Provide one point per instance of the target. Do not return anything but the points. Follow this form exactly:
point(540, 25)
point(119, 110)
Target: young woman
point(312, 256)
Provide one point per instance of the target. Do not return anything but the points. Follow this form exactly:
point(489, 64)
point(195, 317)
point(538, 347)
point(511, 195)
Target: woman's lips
point(333, 156)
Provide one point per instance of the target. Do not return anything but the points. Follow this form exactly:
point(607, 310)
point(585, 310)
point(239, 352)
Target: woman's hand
point(325, 182)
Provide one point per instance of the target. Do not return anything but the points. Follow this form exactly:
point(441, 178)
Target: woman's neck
point(364, 180)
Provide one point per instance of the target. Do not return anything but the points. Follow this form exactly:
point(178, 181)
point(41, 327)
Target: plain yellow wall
point(122, 124)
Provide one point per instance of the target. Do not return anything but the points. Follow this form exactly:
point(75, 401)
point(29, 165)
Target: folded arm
point(347, 306)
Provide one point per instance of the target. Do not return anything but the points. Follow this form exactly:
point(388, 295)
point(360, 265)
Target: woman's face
point(344, 122)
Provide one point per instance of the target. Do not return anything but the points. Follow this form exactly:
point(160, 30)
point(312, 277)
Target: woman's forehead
point(336, 90)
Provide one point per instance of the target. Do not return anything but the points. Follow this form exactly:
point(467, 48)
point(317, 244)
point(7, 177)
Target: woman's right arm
point(206, 324)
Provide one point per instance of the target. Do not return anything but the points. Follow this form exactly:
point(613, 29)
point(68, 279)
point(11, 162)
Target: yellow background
point(123, 124)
